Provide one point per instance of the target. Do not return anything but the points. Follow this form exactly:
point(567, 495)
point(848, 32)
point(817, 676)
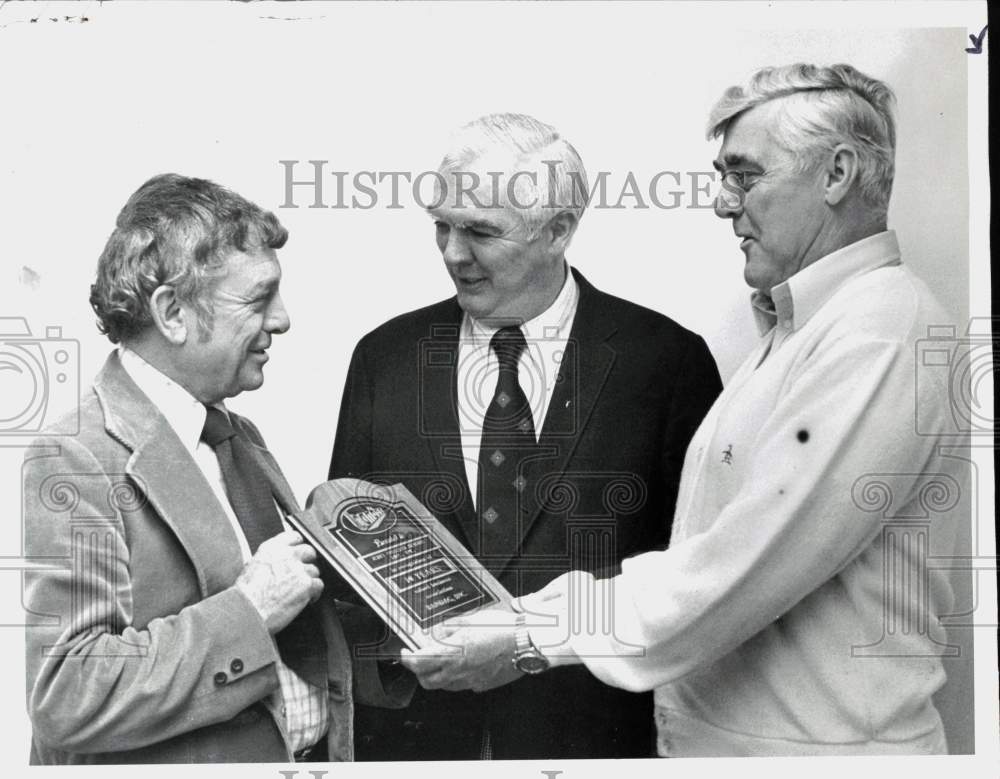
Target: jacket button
point(220, 678)
point(236, 666)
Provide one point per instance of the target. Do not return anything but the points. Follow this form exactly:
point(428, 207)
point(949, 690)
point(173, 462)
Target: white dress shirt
point(478, 369)
point(300, 706)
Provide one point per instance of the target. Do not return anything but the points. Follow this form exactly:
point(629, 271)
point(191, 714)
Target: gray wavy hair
point(530, 144)
point(176, 231)
point(821, 107)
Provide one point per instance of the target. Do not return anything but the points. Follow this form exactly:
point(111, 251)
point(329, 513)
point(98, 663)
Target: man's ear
point(559, 231)
point(168, 316)
point(841, 173)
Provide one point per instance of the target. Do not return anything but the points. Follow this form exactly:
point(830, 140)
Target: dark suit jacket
point(141, 650)
point(633, 387)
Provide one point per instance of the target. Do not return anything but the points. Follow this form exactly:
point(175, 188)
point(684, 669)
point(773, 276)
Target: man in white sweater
point(794, 612)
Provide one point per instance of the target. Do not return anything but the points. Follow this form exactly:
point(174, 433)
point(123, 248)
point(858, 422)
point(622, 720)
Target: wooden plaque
point(397, 556)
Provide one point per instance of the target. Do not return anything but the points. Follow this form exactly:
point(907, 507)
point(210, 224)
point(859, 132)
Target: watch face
point(532, 664)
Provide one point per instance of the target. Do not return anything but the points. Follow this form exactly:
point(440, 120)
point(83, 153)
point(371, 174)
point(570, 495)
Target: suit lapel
point(587, 363)
point(438, 387)
point(169, 479)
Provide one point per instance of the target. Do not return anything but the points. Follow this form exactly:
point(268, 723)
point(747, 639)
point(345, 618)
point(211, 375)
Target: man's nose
point(278, 320)
point(728, 203)
point(456, 247)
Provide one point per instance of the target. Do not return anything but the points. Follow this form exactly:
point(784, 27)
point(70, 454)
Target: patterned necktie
point(300, 643)
point(508, 439)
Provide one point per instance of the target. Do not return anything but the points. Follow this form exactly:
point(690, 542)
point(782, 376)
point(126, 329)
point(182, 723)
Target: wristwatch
point(527, 658)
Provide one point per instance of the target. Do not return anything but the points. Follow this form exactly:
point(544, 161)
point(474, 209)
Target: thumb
point(442, 630)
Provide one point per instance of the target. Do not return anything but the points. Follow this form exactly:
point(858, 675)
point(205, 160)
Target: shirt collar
point(185, 414)
point(794, 301)
point(552, 324)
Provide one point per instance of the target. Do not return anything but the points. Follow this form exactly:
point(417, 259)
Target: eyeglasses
point(735, 185)
point(741, 180)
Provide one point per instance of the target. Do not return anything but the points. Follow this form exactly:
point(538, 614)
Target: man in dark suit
point(542, 421)
point(189, 626)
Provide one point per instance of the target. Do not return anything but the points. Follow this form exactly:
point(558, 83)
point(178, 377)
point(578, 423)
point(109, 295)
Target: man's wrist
point(527, 658)
point(551, 643)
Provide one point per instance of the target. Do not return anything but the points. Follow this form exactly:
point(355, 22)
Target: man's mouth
point(470, 283)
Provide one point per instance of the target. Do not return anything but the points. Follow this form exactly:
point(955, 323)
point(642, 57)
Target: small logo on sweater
point(727, 455)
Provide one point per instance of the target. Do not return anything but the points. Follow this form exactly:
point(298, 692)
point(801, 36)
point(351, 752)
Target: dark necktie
point(301, 642)
point(508, 439)
point(246, 486)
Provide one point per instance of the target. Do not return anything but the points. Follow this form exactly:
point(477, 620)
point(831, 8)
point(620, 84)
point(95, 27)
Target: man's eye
point(739, 179)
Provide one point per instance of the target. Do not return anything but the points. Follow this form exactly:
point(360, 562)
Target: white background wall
point(89, 110)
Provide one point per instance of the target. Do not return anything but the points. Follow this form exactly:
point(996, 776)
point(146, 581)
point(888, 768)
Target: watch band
point(527, 659)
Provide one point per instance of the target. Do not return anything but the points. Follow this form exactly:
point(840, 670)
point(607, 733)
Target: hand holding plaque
point(476, 653)
point(397, 556)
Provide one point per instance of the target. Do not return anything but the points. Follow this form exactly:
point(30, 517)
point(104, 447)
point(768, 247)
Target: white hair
point(821, 107)
point(557, 180)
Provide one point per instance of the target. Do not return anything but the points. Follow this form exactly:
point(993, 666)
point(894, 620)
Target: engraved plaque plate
point(397, 556)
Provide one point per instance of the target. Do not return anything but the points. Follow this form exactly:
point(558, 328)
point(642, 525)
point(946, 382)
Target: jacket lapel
point(438, 388)
point(169, 479)
point(586, 365)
